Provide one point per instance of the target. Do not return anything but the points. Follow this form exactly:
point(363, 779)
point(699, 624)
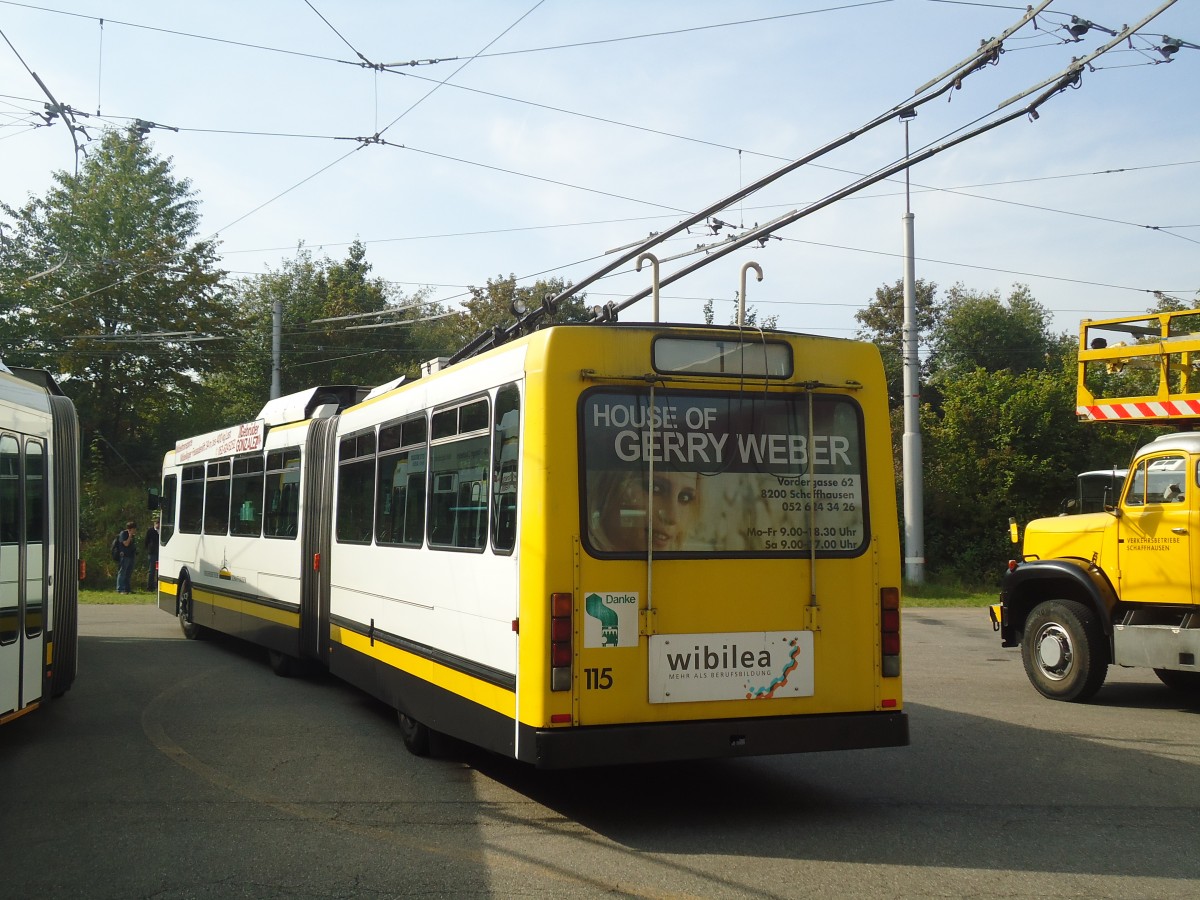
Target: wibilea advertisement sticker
point(733, 666)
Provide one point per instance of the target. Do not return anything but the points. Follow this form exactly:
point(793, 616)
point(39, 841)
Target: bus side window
point(459, 466)
point(505, 457)
point(166, 510)
point(441, 523)
point(35, 539)
point(10, 535)
point(355, 488)
point(413, 497)
point(245, 514)
point(191, 500)
point(216, 498)
point(400, 487)
point(281, 515)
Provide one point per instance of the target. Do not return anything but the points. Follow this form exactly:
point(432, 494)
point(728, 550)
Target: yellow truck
point(1120, 586)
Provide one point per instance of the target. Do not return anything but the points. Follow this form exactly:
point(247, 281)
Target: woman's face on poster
point(674, 511)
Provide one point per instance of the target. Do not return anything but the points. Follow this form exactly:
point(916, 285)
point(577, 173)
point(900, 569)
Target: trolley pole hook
point(742, 296)
point(654, 272)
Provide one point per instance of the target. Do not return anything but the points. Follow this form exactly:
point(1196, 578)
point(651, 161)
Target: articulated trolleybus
point(595, 544)
point(39, 541)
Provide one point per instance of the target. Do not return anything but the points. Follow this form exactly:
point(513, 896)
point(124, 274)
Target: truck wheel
point(1184, 682)
point(1064, 651)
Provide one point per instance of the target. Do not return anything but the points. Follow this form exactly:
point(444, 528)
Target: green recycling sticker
point(611, 620)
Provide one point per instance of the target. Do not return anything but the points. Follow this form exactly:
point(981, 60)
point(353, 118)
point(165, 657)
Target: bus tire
point(414, 734)
point(1064, 651)
point(1183, 682)
point(183, 608)
point(281, 664)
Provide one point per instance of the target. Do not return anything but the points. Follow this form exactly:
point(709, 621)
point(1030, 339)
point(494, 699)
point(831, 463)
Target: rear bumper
point(603, 745)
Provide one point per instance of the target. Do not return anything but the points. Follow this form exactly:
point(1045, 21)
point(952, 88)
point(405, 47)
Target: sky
point(531, 138)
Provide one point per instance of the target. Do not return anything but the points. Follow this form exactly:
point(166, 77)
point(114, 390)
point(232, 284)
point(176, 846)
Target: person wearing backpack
point(126, 551)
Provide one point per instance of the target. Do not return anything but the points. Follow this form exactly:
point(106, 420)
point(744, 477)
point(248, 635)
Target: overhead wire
point(469, 162)
point(426, 96)
point(177, 33)
point(989, 52)
point(297, 184)
point(353, 49)
point(440, 59)
point(560, 110)
point(676, 31)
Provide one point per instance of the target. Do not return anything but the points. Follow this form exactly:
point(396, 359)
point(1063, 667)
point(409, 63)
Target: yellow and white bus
point(39, 541)
point(595, 544)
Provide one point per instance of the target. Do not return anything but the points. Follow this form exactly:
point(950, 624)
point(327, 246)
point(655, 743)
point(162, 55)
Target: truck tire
point(1183, 682)
point(1064, 651)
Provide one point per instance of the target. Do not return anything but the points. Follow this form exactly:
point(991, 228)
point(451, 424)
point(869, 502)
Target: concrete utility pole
point(914, 482)
point(276, 336)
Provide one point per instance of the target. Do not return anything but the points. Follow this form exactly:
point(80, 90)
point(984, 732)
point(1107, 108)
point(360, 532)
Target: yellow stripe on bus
point(488, 695)
point(20, 712)
point(246, 607)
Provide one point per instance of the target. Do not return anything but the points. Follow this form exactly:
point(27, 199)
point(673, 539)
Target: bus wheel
point(1064, 651)
point(1184, 682)
point(183, 607)
point(414, 734)
point(281, 664)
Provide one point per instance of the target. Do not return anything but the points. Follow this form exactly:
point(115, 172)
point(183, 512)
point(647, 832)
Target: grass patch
point(932, 594)
point(86, 595)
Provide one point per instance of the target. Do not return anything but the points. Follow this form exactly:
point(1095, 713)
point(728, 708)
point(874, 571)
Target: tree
point(882, 323)
point(340, 326)
point(106, 286)
point(751, 316)
point(1005, 444)
point(975, 329)
point(492, 306)
point(1000, 434)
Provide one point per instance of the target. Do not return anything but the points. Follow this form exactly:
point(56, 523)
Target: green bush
point(104, 509)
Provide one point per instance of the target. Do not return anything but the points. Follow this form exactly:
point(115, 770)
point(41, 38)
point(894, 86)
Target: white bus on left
point(39, 541)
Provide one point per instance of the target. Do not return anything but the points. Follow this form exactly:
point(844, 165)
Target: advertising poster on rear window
point(714, 474)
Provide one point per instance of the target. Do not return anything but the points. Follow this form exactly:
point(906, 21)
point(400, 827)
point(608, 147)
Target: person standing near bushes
point(126, 551)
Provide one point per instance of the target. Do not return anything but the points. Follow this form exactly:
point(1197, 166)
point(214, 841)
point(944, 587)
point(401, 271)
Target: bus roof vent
point(384, 388)
point(310, 403)
point(434, 365)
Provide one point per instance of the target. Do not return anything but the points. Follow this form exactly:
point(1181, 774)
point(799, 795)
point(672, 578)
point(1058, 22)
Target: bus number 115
point(598, 679)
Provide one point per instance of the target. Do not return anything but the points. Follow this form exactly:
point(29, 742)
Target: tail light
point(889, 631)
point(560, 641)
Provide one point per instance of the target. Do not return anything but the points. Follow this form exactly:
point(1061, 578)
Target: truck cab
point(1119, 586)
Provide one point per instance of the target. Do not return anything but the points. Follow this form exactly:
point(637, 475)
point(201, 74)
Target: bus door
point(699, 508)
point(20, 679)
point(33, 567)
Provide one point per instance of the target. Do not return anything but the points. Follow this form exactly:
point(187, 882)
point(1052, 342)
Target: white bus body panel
point(459, 602)
point(24, 412)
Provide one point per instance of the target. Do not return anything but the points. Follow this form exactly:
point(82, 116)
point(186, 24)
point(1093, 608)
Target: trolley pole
point(914, 482)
